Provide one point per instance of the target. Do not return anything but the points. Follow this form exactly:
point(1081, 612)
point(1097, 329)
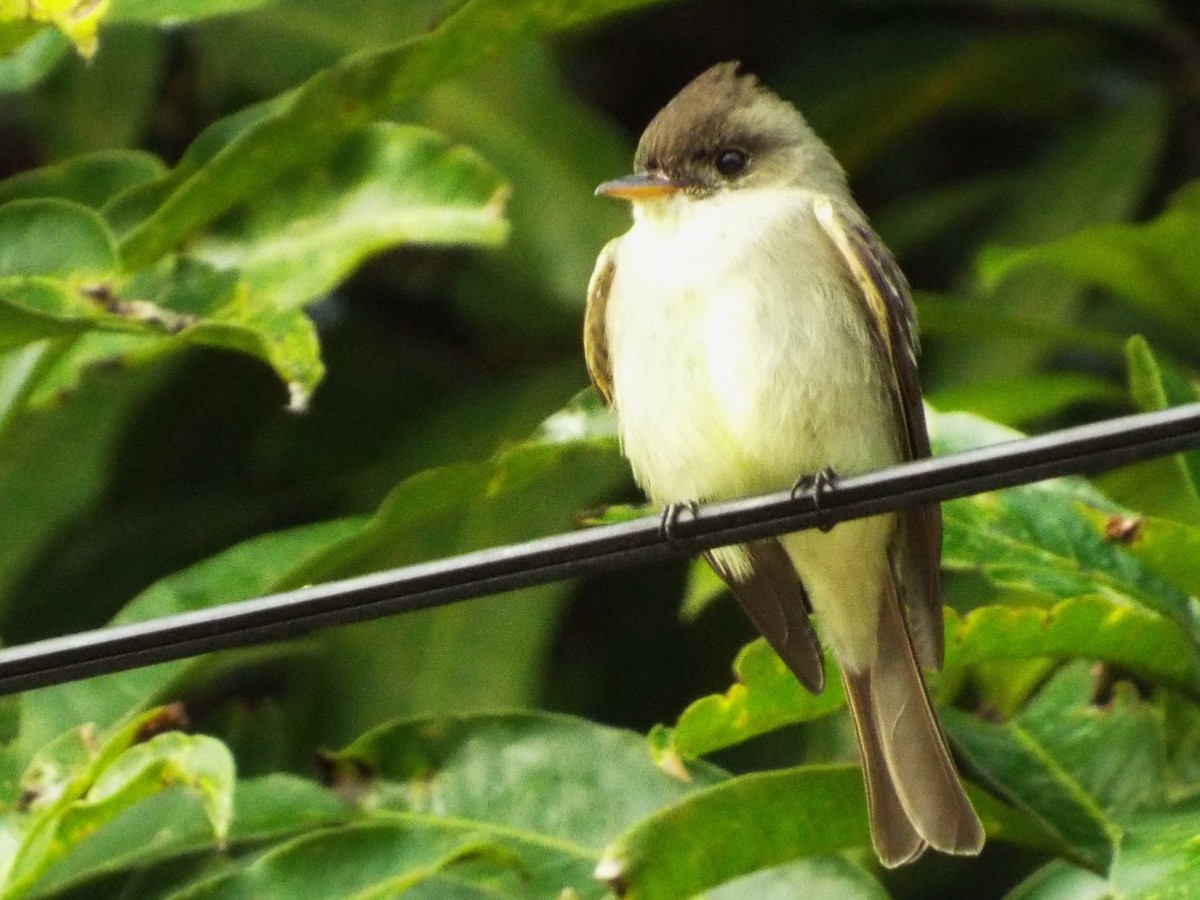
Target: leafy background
point(291, 291)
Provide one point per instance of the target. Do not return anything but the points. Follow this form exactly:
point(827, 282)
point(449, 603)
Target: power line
point(1084, 449)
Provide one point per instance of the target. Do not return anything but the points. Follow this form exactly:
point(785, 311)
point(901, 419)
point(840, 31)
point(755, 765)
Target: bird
point(749, 328)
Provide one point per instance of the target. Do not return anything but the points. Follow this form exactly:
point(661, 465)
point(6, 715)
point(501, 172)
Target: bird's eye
point(731, 162)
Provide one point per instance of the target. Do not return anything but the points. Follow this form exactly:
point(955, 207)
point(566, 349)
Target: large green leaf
point(1097, 171)
point(168, 827)
point(387, 185)
point(753, 823)
point(816, 877)
point(248, 570)
point(516, 805)
point(48, 440)
point(36, 55)
point(310, 123)
point(413, 664)
point(55, 238)
point(1023, 399)
point(1013, 763)
point(1150, 265)
point(553, 151)
point(1157, 861)
point(79, 22)
point(75, 786)
point(1041, 537)
point(1112, 741)
point(91, 180)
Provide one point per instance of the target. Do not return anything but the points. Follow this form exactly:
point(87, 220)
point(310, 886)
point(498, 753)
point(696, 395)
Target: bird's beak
point(640, 186)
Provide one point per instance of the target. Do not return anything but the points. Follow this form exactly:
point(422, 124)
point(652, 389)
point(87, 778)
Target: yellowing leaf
point(79, 20)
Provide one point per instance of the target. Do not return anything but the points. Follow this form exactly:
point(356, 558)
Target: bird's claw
point(670, 516)
point(818, 486)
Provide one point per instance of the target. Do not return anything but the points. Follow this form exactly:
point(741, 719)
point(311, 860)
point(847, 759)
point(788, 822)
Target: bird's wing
point(595, 335)
point(776, 603)
point(888, 310)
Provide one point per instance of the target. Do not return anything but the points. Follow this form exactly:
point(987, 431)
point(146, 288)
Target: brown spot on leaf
point(348, 777)
point(172, 717)
point(1123, 529)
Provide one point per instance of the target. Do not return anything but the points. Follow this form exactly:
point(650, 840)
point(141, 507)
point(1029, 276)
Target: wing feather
point(772, 596)
point(595, 330)
point(889, 312)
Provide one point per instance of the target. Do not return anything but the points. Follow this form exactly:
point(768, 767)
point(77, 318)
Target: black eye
point(731, 162)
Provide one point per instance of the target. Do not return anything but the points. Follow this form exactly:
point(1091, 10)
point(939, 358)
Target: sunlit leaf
point(174, 11)
point(387, 185)
point(35, 56)
point(310, 123)
point(78, 21)
point(168, 827)
point(78, 785)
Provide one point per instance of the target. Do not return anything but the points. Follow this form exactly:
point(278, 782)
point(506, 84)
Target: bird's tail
point(915, 797)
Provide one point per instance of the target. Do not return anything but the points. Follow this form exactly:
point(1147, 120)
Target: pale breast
point(739, 360)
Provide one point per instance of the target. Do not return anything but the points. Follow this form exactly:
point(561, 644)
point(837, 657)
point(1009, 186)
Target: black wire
point(1085, 449)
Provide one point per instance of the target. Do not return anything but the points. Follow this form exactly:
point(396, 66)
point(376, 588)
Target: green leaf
point(90, 180)
point(1097, 171)
point(1087, 627)
point(56, 238)
point(1039, 538)
point(1168, 548)
point(516, 804)
point(960, 318)
point(1150, 265)
point(1114, 746)
point(756, 822)
point(168, 827)
point(1060, 880)
point(1026, 398)
point(554, 151)
point(172, 12)
point(310, 123)
point(1156, 385)
point(79, 22)
point(36, 56)
point(35, 442)
point(817, 877)
point(765, 696)
point(216, 308)
point(77, 787)
point(537, 774)
point(369, 861)
point(1157, 861)
point(386, 185)
point(248, 570)
point(1013, 763)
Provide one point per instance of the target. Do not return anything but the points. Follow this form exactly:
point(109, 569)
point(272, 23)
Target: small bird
point(750, 327)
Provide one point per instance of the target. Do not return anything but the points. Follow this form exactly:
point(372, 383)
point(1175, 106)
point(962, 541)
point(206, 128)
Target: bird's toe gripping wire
point(819, 485)
point(670, 517)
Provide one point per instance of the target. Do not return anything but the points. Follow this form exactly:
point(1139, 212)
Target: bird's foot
point(819, 485)
point(670, 517)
